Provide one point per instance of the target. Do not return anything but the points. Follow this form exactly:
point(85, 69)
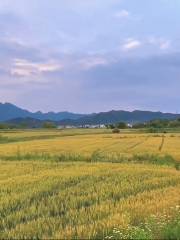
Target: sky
point(90, 55)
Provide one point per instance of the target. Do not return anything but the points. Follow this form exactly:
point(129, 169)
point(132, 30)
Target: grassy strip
point(4, 139)
point(97, 156)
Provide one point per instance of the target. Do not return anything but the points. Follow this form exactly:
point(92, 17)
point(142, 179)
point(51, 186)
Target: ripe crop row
point(86, 144)
point(81, 200)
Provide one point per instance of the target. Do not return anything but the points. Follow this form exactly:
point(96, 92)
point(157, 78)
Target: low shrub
point(116, 130)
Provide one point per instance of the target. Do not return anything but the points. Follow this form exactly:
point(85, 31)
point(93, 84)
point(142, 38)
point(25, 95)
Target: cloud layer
point(88, 56)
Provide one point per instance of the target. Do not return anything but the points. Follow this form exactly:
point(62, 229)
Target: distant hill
point(26, 122)
point(119, 116)
point(15, 115)
point(9, 111)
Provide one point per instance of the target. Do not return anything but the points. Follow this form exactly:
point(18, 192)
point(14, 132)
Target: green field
point(89, 184)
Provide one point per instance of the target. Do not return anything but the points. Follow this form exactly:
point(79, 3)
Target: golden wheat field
point(85, 142)
point(50, 198)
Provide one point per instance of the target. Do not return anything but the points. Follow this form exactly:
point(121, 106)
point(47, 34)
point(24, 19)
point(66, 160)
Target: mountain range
point(12, 114)
point(9, 111)
point(112, 117)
